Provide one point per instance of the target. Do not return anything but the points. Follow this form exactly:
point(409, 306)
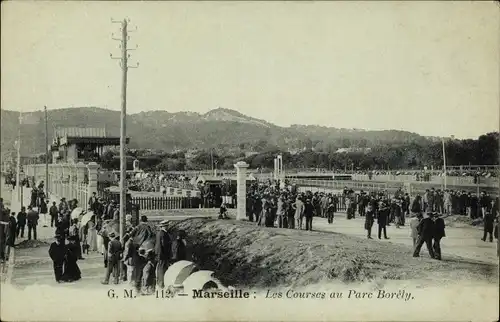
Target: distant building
point(249, 154)
point(295, 151)
point(353, 150)
point(73, 145)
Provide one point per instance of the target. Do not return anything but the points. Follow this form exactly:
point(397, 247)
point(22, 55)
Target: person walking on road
point(163, 253)
point(32, 217)
point(439, 233)
point(57, 253)
point(10, 234)
point(488, 224)
point(425, 235)
point(114, 254)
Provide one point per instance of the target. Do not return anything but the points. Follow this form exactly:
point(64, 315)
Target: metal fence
point(165, 203)
point(411, 187)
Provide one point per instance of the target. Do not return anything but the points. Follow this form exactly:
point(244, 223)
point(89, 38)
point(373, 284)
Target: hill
point(166, 131)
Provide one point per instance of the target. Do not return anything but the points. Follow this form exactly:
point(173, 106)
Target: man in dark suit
point(425, 235)
point(21, 222)
point(32, 222)
point(163, 253)
point(383, 216)
point(309, 212)
point(54, 212)
point(57, 252)
point(438, 234)
point(93, 202)
point(114, 255)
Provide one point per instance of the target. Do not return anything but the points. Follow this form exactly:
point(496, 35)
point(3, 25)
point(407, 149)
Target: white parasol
point(86, 217)
point(75, 214)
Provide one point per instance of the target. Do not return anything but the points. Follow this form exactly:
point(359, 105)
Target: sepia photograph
point(250, 161)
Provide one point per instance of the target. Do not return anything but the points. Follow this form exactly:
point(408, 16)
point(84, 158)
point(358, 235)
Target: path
point(34, 267)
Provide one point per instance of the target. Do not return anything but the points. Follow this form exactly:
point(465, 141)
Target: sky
point(426, 67)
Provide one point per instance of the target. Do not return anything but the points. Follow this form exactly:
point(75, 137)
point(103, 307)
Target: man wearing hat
point(57, 251)
point(425, 230)
point(309, 210)
point(114, 255)
point(163, 250)
point(382, 218)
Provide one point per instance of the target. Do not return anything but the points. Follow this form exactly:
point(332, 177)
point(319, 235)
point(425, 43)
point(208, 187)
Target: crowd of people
point(154, 182)
point(143, 269)
point(272, 205)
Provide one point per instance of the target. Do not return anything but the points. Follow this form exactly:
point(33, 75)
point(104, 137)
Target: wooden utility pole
point(18, 171)
point(46, 154)
point(123, 119)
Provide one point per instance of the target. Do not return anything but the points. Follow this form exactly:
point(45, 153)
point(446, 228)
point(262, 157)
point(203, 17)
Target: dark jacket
point(32, 218)
point(383, 215)
point(21, 218)
point(416, 206)
point(114, 250)
point(54, 211)
point(43, 207)
point(57, 252)
point(439, 228)
point(425, 228)
point(308, 209)
point(179, 250)
point(163, 246)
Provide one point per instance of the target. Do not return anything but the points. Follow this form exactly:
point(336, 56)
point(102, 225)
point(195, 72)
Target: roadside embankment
point(243, 255)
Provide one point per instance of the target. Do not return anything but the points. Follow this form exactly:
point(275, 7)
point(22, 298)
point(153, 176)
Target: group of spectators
point(143, 268)
point(152, 182)
point(272, 205)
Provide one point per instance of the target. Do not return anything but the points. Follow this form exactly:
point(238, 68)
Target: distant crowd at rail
point(278, 206)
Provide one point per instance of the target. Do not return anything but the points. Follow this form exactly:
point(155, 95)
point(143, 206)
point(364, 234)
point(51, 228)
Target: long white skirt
point(100, 244)
point(92, 240)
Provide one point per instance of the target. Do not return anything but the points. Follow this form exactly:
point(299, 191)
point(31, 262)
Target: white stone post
point(81, 195)
point(241, 189)
point(93, 174)
point(275, 168)
point(64, 183)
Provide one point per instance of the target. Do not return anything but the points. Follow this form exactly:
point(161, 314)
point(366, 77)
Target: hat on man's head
point(112, 235)
point(163, 223)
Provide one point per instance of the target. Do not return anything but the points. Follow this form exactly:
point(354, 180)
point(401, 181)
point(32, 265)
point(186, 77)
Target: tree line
point(414, 155)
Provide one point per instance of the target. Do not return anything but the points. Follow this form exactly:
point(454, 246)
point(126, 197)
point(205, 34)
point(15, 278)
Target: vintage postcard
point(249, 161)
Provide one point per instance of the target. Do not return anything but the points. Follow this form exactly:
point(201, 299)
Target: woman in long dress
point(92, 234)
point(71, 270)
point(100, 242)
